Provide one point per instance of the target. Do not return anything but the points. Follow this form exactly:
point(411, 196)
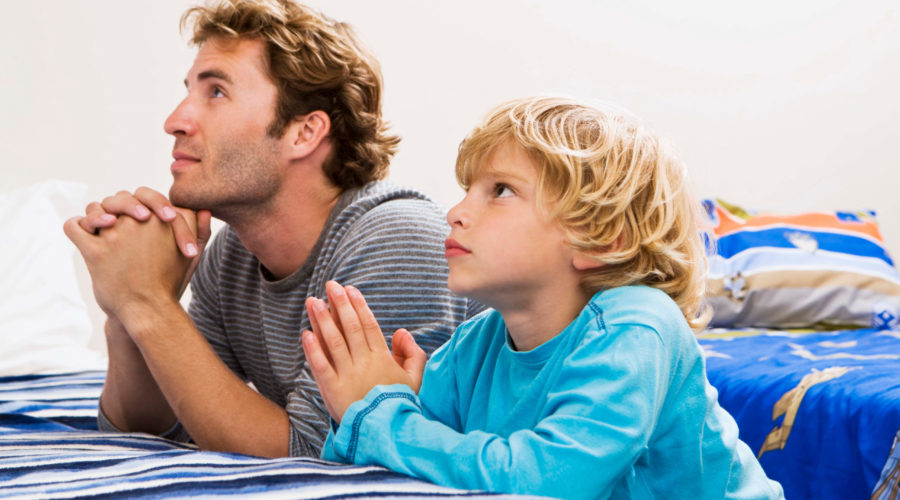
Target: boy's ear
point(307, 132)
point(584, 261)
point(589, 259)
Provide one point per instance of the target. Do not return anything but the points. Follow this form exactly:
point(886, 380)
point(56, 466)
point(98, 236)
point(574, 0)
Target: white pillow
point(44, 323)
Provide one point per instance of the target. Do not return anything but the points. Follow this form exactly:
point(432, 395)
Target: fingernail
point(107, 218)
point(191, 250)
point(353, 292)
point(337, 290)
point(168, 213)
point(319, 305)
point(141, 211)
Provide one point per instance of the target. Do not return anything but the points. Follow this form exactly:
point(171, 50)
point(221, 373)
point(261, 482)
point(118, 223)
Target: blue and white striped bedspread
point(50, 448)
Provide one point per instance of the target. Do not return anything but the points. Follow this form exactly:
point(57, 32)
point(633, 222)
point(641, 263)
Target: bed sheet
point(50, 448)
point(821, 409)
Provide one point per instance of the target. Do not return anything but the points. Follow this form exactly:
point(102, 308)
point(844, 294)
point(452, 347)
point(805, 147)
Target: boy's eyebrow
point(494, 172)
point(211, 74)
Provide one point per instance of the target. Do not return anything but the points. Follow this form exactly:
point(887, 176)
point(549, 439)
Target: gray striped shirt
point(384, 240)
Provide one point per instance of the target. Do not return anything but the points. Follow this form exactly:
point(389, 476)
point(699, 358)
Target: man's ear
point(307, 132)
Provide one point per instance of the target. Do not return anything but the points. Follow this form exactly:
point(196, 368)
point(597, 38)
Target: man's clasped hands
point(135, 244)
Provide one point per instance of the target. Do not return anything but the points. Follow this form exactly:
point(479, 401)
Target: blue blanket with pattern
point(821, 409)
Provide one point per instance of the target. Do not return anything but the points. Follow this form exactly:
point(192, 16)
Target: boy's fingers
point(409, 355)
point(333, 310)
point(332, 340)
point(350, 325)
point(374, 336)
point(314, 325)
point(319, 364)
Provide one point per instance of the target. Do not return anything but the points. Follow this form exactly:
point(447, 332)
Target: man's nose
point(181, 121)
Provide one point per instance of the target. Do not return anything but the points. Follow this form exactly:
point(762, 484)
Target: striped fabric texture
point(814, 269)
point(50, 448)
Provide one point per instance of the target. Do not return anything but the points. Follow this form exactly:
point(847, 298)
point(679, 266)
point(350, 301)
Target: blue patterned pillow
point(814, 269)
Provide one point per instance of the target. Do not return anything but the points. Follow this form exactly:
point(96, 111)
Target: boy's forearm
point(543, 461)
point(217, 408)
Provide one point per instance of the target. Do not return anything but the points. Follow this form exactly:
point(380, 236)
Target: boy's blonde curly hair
point(619, 192)
point(317, 64)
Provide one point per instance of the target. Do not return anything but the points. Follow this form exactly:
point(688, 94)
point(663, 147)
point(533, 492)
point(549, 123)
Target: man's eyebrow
point(211, 74)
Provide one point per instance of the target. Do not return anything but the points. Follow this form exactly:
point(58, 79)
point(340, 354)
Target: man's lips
point(454, 249)
point(182, 161)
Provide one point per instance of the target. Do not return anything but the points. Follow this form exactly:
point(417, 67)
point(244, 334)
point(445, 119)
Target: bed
point(804, 349)
point(50, 448)
point(820, 409)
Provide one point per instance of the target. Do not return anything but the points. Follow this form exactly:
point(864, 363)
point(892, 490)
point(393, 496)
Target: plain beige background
point(777, 105)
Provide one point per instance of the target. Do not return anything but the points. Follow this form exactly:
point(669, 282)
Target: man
point(280, 136)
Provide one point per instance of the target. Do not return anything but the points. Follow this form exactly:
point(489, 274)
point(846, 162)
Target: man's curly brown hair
point(317, 63)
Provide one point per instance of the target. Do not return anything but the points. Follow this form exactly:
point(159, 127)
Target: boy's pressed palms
point(348, 355)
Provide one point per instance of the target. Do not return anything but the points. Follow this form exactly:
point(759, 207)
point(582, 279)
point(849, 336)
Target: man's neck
point(282, 235)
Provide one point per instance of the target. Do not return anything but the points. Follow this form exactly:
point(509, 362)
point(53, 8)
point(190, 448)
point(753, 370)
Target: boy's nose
point(456, 216)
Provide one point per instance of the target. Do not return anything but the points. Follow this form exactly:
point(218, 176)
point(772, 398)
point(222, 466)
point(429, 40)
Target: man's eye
point(502, 190)
point(217, 92)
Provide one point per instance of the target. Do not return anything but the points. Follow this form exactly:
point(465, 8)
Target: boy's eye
point(502, 190)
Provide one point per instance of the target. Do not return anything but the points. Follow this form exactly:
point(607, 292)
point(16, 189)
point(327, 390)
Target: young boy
point(585, 380)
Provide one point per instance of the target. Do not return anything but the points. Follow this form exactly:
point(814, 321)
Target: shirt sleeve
point(594, 425)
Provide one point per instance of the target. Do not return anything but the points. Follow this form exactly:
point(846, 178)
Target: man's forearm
point(217, 408)
point(131, 399)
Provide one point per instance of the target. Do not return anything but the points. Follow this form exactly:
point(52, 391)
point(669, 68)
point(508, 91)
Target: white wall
point(782, 105)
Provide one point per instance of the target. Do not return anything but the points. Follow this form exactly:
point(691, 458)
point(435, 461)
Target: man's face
point(224, 160)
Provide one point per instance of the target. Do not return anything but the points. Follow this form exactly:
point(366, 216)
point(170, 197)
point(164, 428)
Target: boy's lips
point(454, 249)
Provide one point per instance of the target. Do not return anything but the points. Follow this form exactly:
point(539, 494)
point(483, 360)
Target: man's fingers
point(157, 202)
point(124, 203)
point(76, 234)
point(184, 236)
point(374, 336)
point(349, 320)
point(204, 219)
point(95, 218)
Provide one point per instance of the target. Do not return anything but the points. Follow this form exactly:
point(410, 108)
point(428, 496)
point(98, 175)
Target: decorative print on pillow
point(813, 269)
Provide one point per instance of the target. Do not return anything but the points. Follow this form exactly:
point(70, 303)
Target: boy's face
point(502, 250)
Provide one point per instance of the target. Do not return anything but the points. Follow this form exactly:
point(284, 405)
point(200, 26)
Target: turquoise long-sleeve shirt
point(617, 405)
